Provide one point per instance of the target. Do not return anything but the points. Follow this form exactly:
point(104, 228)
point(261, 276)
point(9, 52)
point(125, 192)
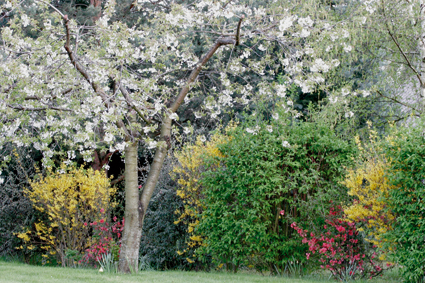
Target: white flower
point(261, 47)
point(306, 22)
point(152, 144)
point(345, 91)
point(366, 93)
point(290, 103)
point(174, 116)
point(335, 62)
point(269, 128)
point(1, 181)
point(320, 65)
point(275, 116)
point(146, 129)
point(333, 100)
point(106, 167)
point(203, 138)
point(108, 137)
point(285, 144)
point(304, 33)
point(349, 114)
point(253, 131)
point(103, 21)
point(286, 23)
point(48, 25)
point(25, 20)
point(347, 48)
point(186, 130)
point(281, 90)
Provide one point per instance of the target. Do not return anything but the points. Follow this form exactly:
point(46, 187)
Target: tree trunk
point(136, 210)
point(130, 242)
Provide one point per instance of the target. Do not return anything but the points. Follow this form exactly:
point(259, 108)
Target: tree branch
point(183, 92)
point(130, 103)
point(399, 102)
point(85, 74)
point(22, 108)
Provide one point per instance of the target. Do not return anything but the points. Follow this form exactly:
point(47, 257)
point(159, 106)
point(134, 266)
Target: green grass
point(11, 272)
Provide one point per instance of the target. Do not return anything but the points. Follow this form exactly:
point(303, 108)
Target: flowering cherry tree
point(68, 89)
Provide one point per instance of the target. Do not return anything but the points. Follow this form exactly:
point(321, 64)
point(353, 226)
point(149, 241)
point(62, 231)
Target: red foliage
point(340, 248)
point(106, 238)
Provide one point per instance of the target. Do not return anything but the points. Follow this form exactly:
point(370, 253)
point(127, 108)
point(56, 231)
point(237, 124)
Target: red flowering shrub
point(341, 249)
point(106, 239)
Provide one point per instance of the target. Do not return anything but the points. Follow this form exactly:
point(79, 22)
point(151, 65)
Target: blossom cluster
point(106, 239)
point(341, 248)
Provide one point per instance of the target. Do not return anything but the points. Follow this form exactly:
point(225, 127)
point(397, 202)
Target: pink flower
point(340, 229)
point(308, 255)
point(102, 210)
point(102, 221)
point(85, 224)
point(322, 250)
point(282, 212)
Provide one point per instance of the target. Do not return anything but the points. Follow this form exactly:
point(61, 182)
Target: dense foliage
point(368, 183)
point(68, 199)
point(340, 248)
point(91, 79)
point(405, 201)
point(191, 165)
point(265, 173)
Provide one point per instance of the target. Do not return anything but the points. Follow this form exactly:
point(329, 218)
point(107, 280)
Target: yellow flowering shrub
point(369, 185)
point(188, 174)
point(68, 200)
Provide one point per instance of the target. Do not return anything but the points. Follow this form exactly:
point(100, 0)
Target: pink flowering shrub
point(106, 239)
point(341, 249)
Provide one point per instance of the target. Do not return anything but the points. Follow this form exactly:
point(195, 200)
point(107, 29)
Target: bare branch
point(400, 102)
point(405, 57)
point(23, 108)
point(220, 41)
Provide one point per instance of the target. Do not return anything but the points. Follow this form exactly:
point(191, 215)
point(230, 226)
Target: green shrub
point(406, 202)
point(161, 238)
point(270, 176)
point(16, 209)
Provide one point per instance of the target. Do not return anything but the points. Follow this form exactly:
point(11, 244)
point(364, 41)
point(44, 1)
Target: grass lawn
point(17, 272)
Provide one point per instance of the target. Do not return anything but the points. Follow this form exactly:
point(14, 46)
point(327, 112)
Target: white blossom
point(254, 130)
point(25, 20)
point(152, 144)
point(280, 90)
point(349, 114)
point(306, 22)
point(286, 23)
point(285, 144)
point(347, 48)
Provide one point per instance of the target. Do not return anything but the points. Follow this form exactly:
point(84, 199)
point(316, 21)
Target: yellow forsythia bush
point(369, 185)
point(68, 199)
point(188, 174)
